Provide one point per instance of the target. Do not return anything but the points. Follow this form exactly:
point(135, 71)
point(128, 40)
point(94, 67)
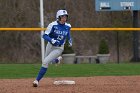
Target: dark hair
point(62, 16)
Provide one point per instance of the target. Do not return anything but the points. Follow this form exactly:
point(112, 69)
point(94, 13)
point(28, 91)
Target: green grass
point(72, 70)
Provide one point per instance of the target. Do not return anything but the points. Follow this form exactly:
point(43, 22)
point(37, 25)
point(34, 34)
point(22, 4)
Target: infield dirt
point(97, 84)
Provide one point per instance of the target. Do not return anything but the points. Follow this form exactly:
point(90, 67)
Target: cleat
point(59, 59)
point(35, 83)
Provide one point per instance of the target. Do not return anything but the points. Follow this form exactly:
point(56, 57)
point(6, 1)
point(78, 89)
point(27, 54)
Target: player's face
point(63, 19)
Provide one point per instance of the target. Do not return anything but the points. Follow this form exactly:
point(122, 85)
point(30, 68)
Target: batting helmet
point(61, 13)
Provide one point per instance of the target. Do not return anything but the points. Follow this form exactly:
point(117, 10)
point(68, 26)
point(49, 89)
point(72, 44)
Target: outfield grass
point(72, 70)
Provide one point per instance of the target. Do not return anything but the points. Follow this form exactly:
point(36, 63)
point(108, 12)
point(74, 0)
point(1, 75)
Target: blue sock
point(41, 73)
point(55, 60)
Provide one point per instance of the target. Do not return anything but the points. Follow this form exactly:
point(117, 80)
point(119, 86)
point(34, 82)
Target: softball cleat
point(35, 83)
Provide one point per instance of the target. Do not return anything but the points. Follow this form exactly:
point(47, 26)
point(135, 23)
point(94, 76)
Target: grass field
point(72, 70)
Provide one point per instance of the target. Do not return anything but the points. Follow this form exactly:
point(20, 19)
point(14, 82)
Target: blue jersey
point(59, 32)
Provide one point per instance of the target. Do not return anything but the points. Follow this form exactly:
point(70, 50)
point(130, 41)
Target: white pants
point(52, 52)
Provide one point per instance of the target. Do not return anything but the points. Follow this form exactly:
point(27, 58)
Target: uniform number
point(60, 37)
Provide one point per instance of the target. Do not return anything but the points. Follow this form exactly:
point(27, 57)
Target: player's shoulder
point(67, 24)
point(53, 23)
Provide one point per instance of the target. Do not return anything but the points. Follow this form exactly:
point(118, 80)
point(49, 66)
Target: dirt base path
point(99, 84)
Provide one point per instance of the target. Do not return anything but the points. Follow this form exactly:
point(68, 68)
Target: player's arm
point(46, 35)
point(51, 40)
point(47, 32)
point(69, 38)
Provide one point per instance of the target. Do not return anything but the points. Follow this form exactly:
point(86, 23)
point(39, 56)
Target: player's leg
point(48, 49)
point(41, 73)
point(53, 54)
point(57, 60)
point(42, 69)
point(39, 76)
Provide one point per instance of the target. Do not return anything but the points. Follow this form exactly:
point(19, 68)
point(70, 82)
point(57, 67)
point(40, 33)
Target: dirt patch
point(99, 84)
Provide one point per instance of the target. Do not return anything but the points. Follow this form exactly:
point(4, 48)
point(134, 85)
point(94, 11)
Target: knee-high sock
point(41, 73)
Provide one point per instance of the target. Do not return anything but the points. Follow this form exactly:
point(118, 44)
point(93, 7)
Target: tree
point(103, 47)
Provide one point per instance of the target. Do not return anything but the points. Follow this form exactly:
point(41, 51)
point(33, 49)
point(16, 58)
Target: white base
point(62, 82)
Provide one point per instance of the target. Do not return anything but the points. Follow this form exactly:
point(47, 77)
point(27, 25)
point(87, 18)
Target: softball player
point(56, 34)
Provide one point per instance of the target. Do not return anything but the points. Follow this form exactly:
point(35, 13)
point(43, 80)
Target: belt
point(57, 45)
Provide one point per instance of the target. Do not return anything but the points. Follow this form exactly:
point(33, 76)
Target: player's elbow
point(46, 37)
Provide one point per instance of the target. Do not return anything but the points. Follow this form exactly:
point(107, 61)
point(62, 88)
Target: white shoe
point(35, 83)
point(59, 58)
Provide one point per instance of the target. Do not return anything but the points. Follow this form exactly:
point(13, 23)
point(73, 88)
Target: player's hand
point(55, 42)
point(70, 44)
